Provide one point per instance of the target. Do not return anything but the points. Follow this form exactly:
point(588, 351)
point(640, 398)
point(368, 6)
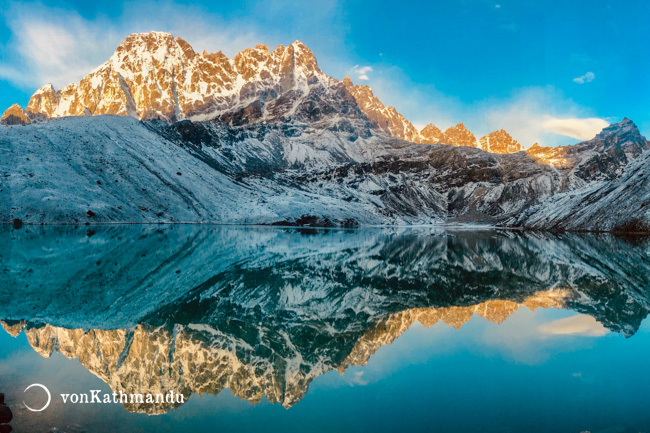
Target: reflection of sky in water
point(548, 370)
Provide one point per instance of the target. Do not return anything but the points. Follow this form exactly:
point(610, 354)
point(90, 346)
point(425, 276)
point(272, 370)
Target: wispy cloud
point(543, 115)
point(54, 48)
point(582, 129)
point(588, 77)
point(362, 72)
point(60, 46)
point(580, 325)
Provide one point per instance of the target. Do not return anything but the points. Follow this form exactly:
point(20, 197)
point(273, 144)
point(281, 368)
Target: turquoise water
point(268, 329)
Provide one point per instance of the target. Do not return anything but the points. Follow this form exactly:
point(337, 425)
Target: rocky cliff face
point(431, 134)
point(459, 136)
point(499, 142)
point(620, 205)
point(608, 184)
point(495, 142)
point(155, 75)
point(385, 118)
point(14, 115)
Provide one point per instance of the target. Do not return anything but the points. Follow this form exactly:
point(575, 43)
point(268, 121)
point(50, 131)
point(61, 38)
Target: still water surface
point(271, 329)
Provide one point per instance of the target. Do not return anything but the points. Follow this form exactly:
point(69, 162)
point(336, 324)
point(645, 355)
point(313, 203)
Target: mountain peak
point(499, 142)
point(431, 134)
point(14, 115)
point(624, 126)
point(459, 135)
point(157, 75)
point(147, 42)
point(298, 44)
point(45, 88)
point(622, 134)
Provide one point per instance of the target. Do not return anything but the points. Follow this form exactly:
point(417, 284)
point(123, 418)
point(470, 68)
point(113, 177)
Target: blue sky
point(548, 71)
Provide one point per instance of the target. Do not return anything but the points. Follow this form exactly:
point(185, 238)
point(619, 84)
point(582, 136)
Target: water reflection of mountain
point(265, 311)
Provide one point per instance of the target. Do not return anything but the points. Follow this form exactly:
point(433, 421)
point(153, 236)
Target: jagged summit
point(624, 131)
point(499, 142)
point(459, 135)
point(494, 142)
point(622, 140)
point(432, 134)
point(156, 75)
point(15, 115)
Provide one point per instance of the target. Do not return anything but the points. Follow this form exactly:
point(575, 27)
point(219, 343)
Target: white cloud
point(358, 379)
point(580, 324)
point(51, 50)
point(540, 115)
point(362, 72)
point(60, 46)
point(582, 129)
point(586, 78)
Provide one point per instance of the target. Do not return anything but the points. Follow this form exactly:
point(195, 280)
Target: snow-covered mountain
point(160, 133)
point(118, 169)
point(263, 311)
point(156, 76)
point(390, 122)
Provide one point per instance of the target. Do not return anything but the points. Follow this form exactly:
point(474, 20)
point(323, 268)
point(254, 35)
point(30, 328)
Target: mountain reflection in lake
point(263, 312)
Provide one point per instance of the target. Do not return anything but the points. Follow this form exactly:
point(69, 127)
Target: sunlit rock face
point(262, 312)
point(499, 142)
point(154, 75)
point(385, 118)
point(389, 121)
point(432, 134)
point(158, 76)
point(460, 136)
point(14, 115)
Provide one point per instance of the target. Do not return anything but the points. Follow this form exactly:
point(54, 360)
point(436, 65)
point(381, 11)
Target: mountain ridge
point(286, 145)
point(154, 75)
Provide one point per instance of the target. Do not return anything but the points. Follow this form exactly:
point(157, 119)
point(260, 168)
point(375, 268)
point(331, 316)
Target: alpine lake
point(268, 329)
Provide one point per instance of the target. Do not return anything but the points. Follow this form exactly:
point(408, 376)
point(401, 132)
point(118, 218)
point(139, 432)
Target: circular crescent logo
point(49, 397)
